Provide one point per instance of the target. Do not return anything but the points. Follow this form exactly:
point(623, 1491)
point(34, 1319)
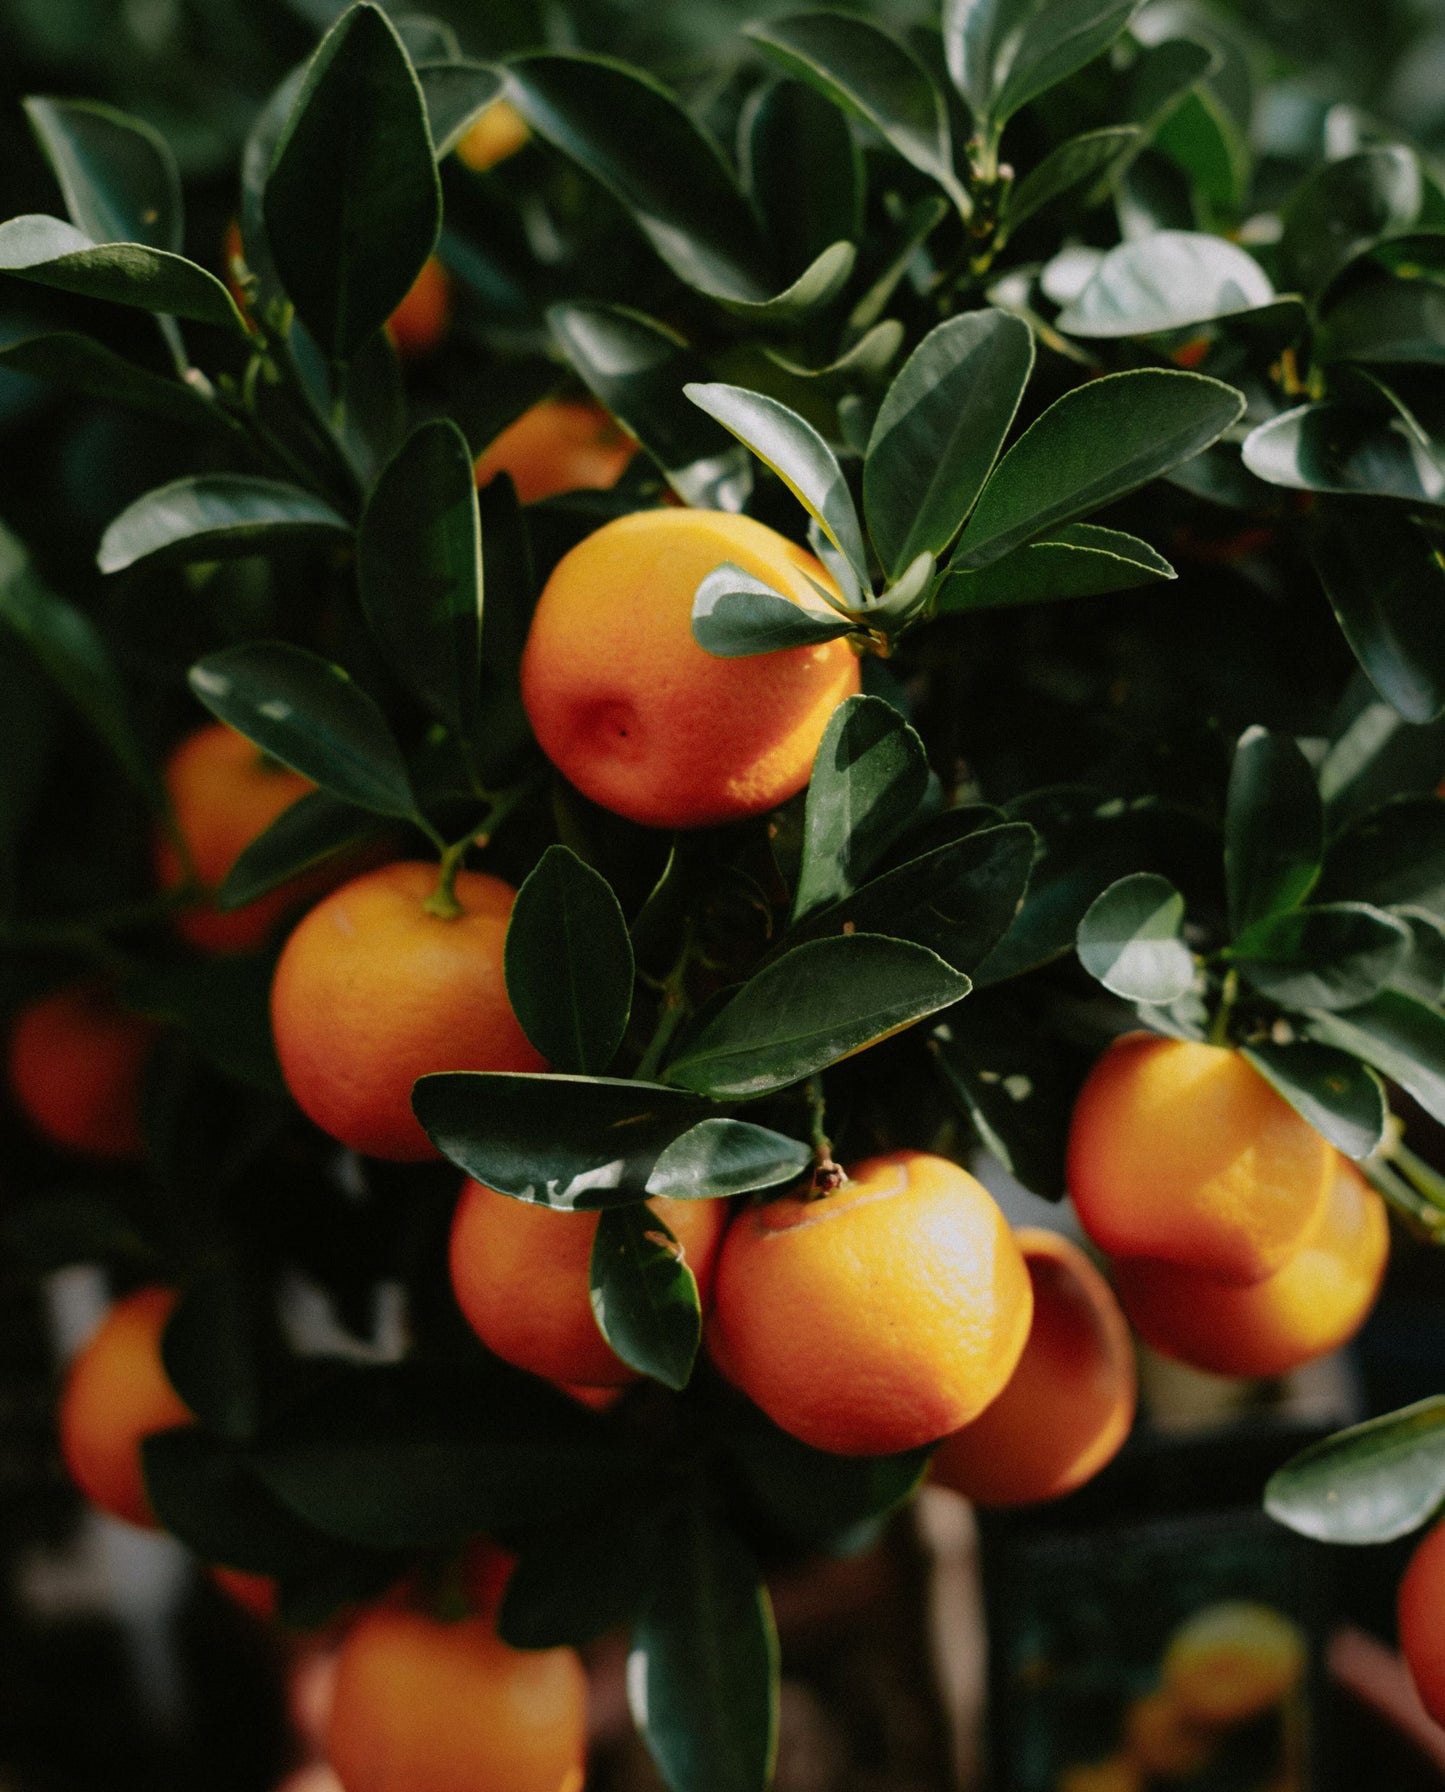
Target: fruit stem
point(1420, 1216)
point(1425, 1180)
point(1219, 1026)
point(827, 1173)
point(674, 1006)
point(443, 900)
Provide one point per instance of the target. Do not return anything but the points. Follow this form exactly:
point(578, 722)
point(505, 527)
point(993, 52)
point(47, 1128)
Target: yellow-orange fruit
point(225, 792)
point(1161, 1739)
point(876, 1318)
point(428, 1707)
point(559, 445)
point(1069, 1404)
point(116, 1395)
point(1420, 1610)
point(77, 1065)
point(628, 706)
point(373, 991)
point(499, 132)
point(1231, 1662)
point(422, 318)
point(521, 1276)
point(1316, 1303)
point(1183, 1152)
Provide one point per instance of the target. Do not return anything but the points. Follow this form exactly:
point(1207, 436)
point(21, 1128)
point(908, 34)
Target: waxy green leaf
point(215, 516)
point(569, 963)
point(644, 1294)
point(1131, 940)
point(735, 615)
point(50, 253)
point(1171, 280)
point(1274, 828)
point(1370, 1484)
point(1334, 955)
point(1337, 1094)
point(1079, 560)
point(117, 173)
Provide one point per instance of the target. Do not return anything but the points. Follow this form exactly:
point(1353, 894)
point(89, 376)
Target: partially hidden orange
point(77, 1064)
point(1420, 1610)
point(560, 445)
point(499, 132)
point(422, 319)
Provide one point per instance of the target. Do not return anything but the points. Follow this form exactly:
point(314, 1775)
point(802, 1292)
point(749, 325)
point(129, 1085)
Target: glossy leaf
point(455, 94)
point(1346, 208)
point(1338, 1095)
point(644, 1295)
point(1402, 1038)
point(215, 516)
point(1371, 1484)
point(1386, 322)
point(818, 1003)
point(569, 964)
point(735, 615)
point(1131, 940)
point(939, 431)
point(1076, 166)
point(1335, 955)
point(1168, 281)
point(1392, 856)
point(509, 582)
point(210, 1352)
point(812, 1495)
point(352, 203)
point(1079, 560)
point(315, 828)
point(308, 714)
point(1341, 449)
point(726, 1157)
point(1421, 972)
point(117, 173)
point(1377, 755)
point(818, 284)
point(81, 364)
point(1274, 828)
point(802, 168)
point(50, 253)
point(1096, 444)
point(1003, 53)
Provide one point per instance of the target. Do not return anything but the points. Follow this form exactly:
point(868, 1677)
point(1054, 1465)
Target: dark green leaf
point(1370, 1484)
point(569, 964)
point(210, 1352)
point(1203, 138)
point(1340, 1097)
point(456, 95)
point(1274, 828)
point(644, 1295)
point(314, 828)
point(1168, 281)
point(1003, 53)
point(818, 1003)
point(1421, 972)
point(570, 1586)
point(726, 1157)
point(352, 203)
point(1346, 208)
point(1335, 955)
point(223, 1003)
point(1079, 560)
point(308, 714)
point(1096, 444)
point(1164, 73)
point(1342, 449)
point(117, 173)
point(1130, 939)
point(510, 598)
point(802, 169)
point(1081, 162)
point(1403, 1039)
point(812, 1495)
point(1378, 755)
point(81, 364)
point(215, 516)
point(735, 615)
point(819, 283)
point(913, 230)
point(1388, 321)
point(55, 1231)
point(50, 253)
point(428, 39)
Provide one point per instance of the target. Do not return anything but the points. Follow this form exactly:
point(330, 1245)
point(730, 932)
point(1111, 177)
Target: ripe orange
point(499, 132)
point(372, 991)
point(520, 1274)
point(117, 1394)
point(424, 315)
point(1068, 1405)
point(1316, 1303)
point(423, 1706)
point(1230, 1662)
point(876, 1318)
point(1184, 1152)
point(1421, 1614)
point(77, 1065)
point(628, 706)
point(560, 445)
point(225, 792)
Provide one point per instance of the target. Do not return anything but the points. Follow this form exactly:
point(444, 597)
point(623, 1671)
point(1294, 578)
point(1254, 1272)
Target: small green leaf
point(1402, 1038)
point(223, 1003)
point(802, 169)
point(117, 173)
point(735, 615)
point(456, 94)
point(812, 1495)
point(644, 1295)
point(49, 253)
point(1347, 207)
point(1343, 450)
point(308, 714)
point(1080, 162)
point(570, 1586)
point(81, 364)
point(1203, 138)
point(1003, 53)
point(1130, 940)
point(1393, 855)
point(1171, 280)
point(818, 284)
point(1340, 1097)
point(1274, 828)
point(1336, 955)
point(726, 1157)
point(1079, 560)
point(1387, 322)
point(315, 828)
point(1371, 1484)
point(215, 516)
point(569, 964)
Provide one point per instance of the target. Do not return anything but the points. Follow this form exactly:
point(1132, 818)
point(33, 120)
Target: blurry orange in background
point(560, 445)
point(423, 317)
point(77, 1063)
point(499, 132)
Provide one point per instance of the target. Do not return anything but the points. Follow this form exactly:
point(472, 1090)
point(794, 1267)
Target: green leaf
point(1335, 955)
point(1385, 582)
point(637, 369)
point(1344, 450)
point(1079, 163)
point(570, 1586)
point(1345, 209)
point(644, 1295)
point(223, 1003)
point(1371, 1484)
point(939, 432)
point(911, 232)
point(1340, 1097)
point(215, 516)
point(117, 173)
point(1013, 52)
point(308, 714)
point(428, 39)
point(560, 1141)
point(1387, 321)
point(726, 1157)
point(1130, 940)
point(315, 828)
point(631, 135)
point(81, 364)
point(1168, 281)
point(818, 1003)
point(1402, 1038)
point(456, 94)
point(1274, 828)
point(419, 565)
point(1204, 139)
point(210, 1352)
point(352, 203)
point(1097, 443)
point(799, 456)
point(1394, 855)
point(811, 1495)
point(1164, 73)
point(503, 731)
point(802, 169)
point(1079, 560)
point(735, 615)
point(49, 253)
point(871, 75)
point(1377, 755)
point(702, 1673)
point(818, 284)
point(1421, 972)
point(569, 964)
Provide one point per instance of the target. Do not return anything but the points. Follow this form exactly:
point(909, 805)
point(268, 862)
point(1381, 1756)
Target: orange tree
point(745, 797)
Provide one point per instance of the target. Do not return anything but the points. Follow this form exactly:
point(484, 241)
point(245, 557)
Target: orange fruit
point(499, 132)
point(225, 792)
point(424, 315)
point(628, 706)
point(1160, 1739)
point(1421, 1614)
point(254, 1593)
point(876, 1318)
point(560, 445)
point(1069, 1404)
point(77, 1070)
point(1231, 1662)
point(116, 1395)
point(372, 991)
point(1117, 1774)
point(423, 1706)
point(1316, 1303)
point(520, 1274)
point(1184, 1152)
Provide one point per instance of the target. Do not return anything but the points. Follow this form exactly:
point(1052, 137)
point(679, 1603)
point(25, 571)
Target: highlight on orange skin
point(1314, 1305)
point(635, 714)
point(1068, 1406)
point(521, 1275)
point(499, 132)
point(422, 319)
point(77, 1064)
point(1183, 1152)
point(372, 991)
point(116, 1395)
point(879, 1317)
point(423, 1706)
point(1420, 1611)
point(560, 445)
